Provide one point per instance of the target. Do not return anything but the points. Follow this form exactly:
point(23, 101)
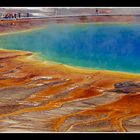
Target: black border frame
point(70, 3)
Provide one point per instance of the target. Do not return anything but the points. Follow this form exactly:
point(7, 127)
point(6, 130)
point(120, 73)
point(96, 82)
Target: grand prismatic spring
point(71, 78)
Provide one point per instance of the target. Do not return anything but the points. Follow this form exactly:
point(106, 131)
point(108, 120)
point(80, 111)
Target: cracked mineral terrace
point(37, 97)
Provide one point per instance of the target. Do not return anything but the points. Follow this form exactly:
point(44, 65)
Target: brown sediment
point(116, 112)
point(29, 86)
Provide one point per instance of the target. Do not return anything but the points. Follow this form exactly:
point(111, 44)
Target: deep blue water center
point(99, 46)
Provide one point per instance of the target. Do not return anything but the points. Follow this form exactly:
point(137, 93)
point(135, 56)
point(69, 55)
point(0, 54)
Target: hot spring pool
point(99, 46)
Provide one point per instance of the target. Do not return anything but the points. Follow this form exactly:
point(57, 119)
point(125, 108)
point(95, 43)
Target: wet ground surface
point(41, 96)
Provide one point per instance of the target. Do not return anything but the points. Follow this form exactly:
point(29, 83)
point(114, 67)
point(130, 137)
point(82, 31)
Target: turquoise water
point(99, 46)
